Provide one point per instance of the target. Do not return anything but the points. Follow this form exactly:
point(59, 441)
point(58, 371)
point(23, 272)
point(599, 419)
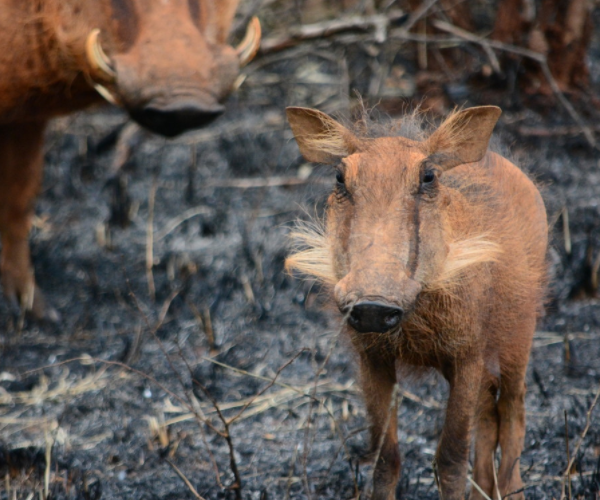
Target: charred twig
point(568, 454)
point(588, 422)
point(291, 474)
point(378, 22)
point(470, 37)
point(261, 403)
point(205, 322)
point(48, 457)
point(225, 434)
point(530, 54)
point(190, 189)
point(496, 485)
point(566, 230)
point(595, 269)
point(180, 219)
point(417, 14)
point(477, 487)
point(343, 446)
point(150, 240)
point(267, 387)
point(186, 403)
point(262, 182)
point(516, 492)
point(313, 396)
point(88, 360)
point(129, 137)
point(163, 313)
point(554, 131)
point(436, 477)
point(405, 394)
point(259, 377)
point(185, 480)
point(393, 405)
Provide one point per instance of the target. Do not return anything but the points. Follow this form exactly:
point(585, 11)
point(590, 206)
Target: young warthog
point(435, 251)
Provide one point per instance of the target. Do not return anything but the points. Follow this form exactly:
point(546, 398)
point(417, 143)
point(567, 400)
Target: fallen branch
point(588, 422)
point(417, 14)
point(262, 182)
point(392, 409)
point(378, 22)
point(554, 131)
point(364, 23)
point(530, 54)
point(185, 480)
point(180, 219)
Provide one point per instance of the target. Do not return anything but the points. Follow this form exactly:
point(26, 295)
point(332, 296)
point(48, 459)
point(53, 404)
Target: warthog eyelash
point(341, 191)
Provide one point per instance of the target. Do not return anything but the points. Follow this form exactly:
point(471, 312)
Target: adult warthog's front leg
point(21, 162)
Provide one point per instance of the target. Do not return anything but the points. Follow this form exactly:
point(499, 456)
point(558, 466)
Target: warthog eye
point(428, 182)
point(340, 185)
point(428, 177)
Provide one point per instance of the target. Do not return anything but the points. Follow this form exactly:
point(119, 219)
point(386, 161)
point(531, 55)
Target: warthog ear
point(320, 138)
point(463, 137)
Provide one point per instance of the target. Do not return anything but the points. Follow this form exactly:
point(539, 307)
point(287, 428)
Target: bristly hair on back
point(415, 124)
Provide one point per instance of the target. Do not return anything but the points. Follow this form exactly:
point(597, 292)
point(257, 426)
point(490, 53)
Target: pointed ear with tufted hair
point(463, 137)
point(320, 138)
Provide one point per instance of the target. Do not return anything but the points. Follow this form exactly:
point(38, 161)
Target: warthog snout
point(374, 304)
point(174, 69)
point(175, 118)
point(374, 317)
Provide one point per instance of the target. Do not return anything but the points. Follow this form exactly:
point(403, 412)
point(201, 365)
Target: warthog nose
point(176, 118)
point(373, 317)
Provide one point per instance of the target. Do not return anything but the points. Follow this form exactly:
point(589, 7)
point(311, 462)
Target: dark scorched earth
point(108, 391)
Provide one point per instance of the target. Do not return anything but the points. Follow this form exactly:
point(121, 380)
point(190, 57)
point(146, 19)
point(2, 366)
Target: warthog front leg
point(452, 457)
point(511, 408)
point(21, 161)
point(378, 380)
point(486, 442)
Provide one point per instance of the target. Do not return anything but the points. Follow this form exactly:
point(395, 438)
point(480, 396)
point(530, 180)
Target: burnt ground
point(106, 395)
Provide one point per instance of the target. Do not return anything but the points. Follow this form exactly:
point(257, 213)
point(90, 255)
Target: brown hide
point(167, 62)
point(434, 250)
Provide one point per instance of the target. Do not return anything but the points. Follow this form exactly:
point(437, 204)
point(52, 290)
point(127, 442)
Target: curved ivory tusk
point(107, 94)
point(249, 46)
point(99, 62)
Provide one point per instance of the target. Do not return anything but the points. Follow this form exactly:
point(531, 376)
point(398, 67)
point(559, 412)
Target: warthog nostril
point(374, 317)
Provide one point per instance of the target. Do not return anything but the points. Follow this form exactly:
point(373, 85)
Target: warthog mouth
point(177, 117)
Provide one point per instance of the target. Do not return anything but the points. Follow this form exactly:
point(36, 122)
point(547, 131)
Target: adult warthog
point(166, 62)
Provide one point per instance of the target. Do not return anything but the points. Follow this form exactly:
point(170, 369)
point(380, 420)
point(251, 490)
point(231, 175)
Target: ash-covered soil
point(107, 393)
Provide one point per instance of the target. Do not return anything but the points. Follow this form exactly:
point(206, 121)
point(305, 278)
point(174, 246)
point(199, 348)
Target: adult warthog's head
point(167, 62)
point(389, 231)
